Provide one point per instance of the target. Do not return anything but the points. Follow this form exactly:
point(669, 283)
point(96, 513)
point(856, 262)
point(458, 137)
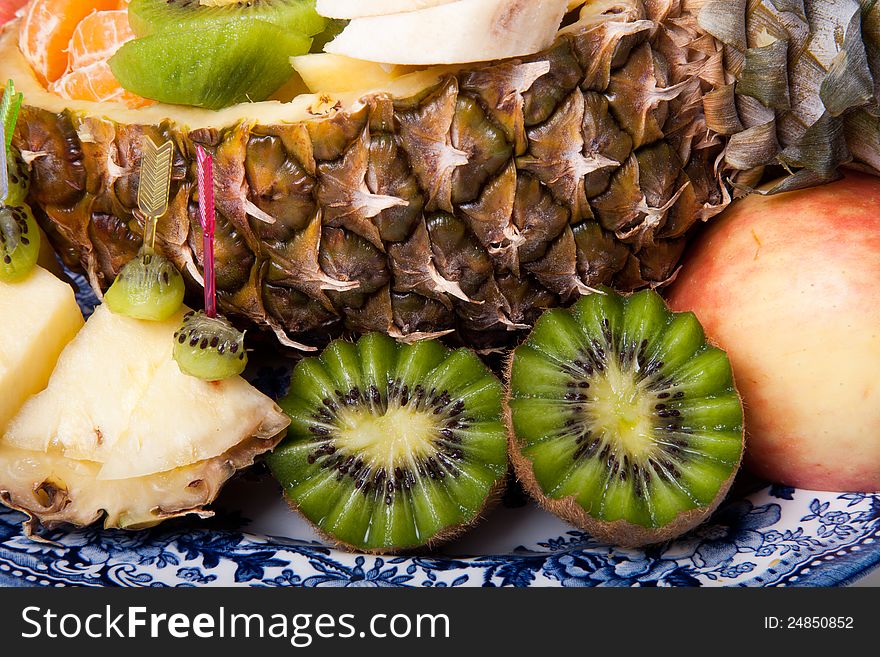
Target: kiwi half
point(392, 447)
point(623, 419)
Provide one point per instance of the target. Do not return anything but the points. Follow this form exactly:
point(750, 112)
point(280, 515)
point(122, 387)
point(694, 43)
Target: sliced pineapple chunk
point(118, 398)
point(120, 432)
point(326, 73)
point(38, 317)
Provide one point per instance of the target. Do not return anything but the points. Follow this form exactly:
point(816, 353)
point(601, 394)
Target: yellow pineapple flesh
point(38, 317)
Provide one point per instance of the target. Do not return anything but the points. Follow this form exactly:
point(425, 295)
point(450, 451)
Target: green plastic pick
point(9, 108)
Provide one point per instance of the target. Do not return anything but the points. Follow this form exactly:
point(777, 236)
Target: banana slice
point(361, 8)
point(453, 33)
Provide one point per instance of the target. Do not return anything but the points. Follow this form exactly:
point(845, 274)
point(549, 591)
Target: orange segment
point(8, 9)
point(98, 37)
point(95, 82)
point(46, 31)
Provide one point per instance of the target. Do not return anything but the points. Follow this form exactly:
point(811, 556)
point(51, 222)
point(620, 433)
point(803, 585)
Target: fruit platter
point(439, 292)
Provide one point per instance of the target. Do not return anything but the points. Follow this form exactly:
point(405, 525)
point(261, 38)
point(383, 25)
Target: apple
point(789, 285)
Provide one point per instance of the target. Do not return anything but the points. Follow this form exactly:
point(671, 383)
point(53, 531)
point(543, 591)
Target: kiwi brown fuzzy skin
point(440, 538)
point(619, 532)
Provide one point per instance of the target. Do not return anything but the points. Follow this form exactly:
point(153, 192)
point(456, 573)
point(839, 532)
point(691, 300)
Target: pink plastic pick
point(206, 212)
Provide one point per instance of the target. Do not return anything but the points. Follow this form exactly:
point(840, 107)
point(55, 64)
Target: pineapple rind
point(54, 490)
point(466, 205)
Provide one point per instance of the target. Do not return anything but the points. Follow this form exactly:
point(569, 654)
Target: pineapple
point(120, 432)
point(471, 202)
point(38, 317)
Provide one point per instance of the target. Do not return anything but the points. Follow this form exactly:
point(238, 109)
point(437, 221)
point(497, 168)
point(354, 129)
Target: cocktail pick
point(208, 217)
point(9, 109)
point(150, 287)
point(4, 170)
point(154, 186)
point(207, 345)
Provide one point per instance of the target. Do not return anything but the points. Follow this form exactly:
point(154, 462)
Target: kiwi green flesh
point(19, 242)
point(296, 16)
point(212, 66)
point(621, 412)
point(391, 447)
point(209, 348)
point(149, 287)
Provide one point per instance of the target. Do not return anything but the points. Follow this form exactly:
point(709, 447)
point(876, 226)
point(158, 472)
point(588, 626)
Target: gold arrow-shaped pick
point(154, 186)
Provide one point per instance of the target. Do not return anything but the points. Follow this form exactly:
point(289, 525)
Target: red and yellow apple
point(789, 285)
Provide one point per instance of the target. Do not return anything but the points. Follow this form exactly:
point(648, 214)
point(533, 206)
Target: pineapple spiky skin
point(468, 205)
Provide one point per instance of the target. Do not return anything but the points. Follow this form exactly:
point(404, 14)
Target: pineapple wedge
point(119, 431)
point(38, 317)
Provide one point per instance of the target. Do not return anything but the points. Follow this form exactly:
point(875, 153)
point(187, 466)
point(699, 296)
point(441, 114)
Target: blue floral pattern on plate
point(772, 536)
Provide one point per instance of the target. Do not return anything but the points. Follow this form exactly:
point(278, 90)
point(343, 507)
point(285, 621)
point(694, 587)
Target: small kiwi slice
point(212, 66)
point(19, 242)
point(148, 287)
point(298, 16)
point(209, 348)
point(332, 30)
point(392, 446)
point(623, 419)
point(19, 177)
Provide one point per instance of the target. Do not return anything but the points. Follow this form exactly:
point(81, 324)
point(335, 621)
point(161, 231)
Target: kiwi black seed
point(392, 447)
point(623, 419)
point(149, 287)
point(209, 348)
point(19, 242)
point(296, 16)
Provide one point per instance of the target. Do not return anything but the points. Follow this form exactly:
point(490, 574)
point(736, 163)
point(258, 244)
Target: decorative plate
point(762, 536)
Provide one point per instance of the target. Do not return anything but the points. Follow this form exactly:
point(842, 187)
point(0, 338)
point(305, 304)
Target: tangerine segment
point(98, 37)
point(95, 82)
point(8, 9)
point(46, 31)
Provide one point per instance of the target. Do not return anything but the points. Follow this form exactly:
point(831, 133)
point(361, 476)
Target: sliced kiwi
point(212, 66)
point(148, 287)
point(392, 447)
point(19, 242)
point(209, 348)
point(624, 420)
point(298, 16)
point(332, 30)
point(18, 177)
